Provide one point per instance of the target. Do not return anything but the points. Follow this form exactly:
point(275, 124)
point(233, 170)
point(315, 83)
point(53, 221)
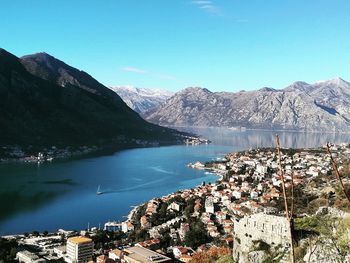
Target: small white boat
point(99, 192)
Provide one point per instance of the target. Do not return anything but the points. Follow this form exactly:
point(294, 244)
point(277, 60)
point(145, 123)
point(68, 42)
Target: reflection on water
point(261, 138)
point(63, 181)
point(17, 201)
point(63, 194)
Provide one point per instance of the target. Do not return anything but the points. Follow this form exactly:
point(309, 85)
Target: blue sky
point(220, 45)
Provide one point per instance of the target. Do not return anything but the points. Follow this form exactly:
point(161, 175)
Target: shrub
point(260, 245)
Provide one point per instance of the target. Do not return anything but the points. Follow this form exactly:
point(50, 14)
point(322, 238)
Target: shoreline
point(86, 152)
point(132, 212)
point(217, 172)
point(205, 170)
point(213, 171)
point(52, 153)
point(129, 212)
point(261, 129)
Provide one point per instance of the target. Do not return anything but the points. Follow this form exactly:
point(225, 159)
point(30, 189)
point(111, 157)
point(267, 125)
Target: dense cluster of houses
point(250, 184)
point(242, 205)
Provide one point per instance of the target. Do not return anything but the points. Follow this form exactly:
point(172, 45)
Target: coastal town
point(195, 131)
point(30, 154)
point(239, 218)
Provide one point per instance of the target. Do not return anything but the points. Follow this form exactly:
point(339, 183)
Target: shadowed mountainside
point(45, 102)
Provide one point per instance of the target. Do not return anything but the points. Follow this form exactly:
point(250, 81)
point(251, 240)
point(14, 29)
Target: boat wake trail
point(161, 170)
point(136, 187)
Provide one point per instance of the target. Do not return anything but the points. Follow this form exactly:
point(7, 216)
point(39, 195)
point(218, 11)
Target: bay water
point(62, 194)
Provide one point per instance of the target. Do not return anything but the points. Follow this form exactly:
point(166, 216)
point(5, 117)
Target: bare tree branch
point(282, 177)
point(289, 214)
point(312, 251)
point(335, 168)
point(292, 198)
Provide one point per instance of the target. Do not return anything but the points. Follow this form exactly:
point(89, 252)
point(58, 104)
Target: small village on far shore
point(239, 218)
point(30, 154)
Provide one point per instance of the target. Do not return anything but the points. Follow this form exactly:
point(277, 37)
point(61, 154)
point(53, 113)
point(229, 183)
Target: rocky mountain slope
point(142, 100)
point(322, 106)
point(45, 102)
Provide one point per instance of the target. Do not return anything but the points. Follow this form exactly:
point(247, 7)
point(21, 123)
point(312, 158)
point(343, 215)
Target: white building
point(127, 226)
point(209, 205)
point(180, 251)
point(60, 251)
point(184, 228)
point(28, 257)
point(112, 226)
point(250, 163)
point(116, 255)
point(254, 195)
point(174, 206)
point(79, 249)
point(274, 230)
point(236, 194)
point(222, 166)
point(261, 169)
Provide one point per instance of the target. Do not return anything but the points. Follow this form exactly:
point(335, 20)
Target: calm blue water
point(63, 194)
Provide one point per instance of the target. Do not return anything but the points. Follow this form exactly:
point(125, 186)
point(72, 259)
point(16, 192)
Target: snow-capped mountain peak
point(141, 99)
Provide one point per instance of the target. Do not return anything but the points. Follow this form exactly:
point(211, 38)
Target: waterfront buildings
point(242, 210)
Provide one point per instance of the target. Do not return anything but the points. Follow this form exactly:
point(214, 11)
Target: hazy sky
point(220, 45)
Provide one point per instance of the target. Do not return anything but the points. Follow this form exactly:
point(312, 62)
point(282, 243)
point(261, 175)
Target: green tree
point(8, 249)
point(197, 235)
point(189, 208)
point(141, 235)
point(329, 229)
point(225, 259)
point(165, 241)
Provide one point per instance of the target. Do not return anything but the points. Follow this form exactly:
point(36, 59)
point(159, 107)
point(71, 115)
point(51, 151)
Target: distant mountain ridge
point(45, 102)
point(322, 106)
point(142, 100)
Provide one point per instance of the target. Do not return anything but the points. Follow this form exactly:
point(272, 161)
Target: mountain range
point(45, 102)
point(142, 100)
point(322, 106)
